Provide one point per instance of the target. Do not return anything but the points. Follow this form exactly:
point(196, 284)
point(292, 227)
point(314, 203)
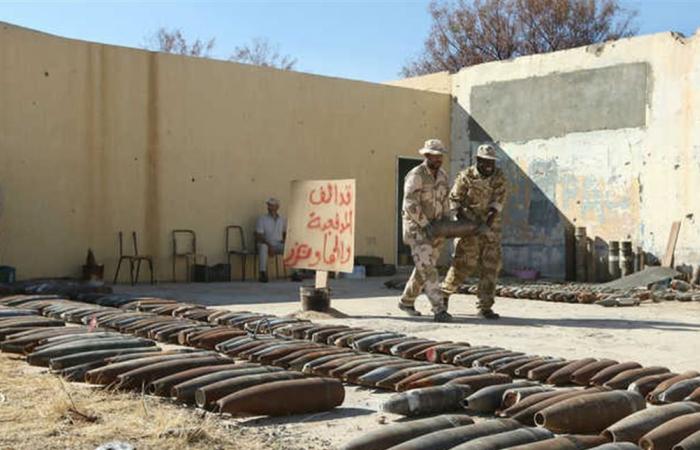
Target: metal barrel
point(300, 397)
point(589, 414)
point(671, 432)
point(626, 258)
point(614, 259)
point(398, 433)
point(429, 400)
point(454, 229)
point(634, 426)
point(581, 254)
point(451, 437)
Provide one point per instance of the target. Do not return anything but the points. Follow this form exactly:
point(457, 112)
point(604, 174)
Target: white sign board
point(321, 226)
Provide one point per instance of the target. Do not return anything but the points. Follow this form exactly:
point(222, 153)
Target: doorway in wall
point(403, 251)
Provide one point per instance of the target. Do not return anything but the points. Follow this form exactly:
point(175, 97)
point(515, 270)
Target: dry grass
point(39, 410)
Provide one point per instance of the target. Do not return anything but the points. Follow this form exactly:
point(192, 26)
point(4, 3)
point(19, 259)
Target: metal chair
point(239, 248)
point(134, 260)
point(190, 255)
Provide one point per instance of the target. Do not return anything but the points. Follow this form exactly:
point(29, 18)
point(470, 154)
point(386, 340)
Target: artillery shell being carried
point(300, 396)
point(391, 435)
point(633, 427)
point(454, 229)
point(451, 437)
point(508, 439)
point(488, 399)
point(429, 400)
point(566, 442)
point(589, 413)
point(670, 433)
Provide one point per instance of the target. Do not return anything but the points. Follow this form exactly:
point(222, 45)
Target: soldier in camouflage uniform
point(478, 194)
point(425, 200)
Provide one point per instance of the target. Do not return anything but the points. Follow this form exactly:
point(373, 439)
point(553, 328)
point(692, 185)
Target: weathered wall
point(605, 137)
point(96, 139)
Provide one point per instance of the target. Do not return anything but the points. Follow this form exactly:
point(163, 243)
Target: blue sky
point(366, 40)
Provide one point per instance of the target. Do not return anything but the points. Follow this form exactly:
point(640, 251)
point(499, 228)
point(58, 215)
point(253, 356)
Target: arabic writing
point(321, 232)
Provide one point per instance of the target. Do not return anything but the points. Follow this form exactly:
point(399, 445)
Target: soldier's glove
point(428, 230)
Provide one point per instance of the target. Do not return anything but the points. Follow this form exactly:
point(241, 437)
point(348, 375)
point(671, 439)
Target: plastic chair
point(238, 248)
point(134, 260)
point(190, 255)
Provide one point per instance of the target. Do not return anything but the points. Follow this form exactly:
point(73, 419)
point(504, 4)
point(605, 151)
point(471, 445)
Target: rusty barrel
point(302, 396)
point(508, 439)
point(429, 400)
point(634, 426)
point(614, 259)
point(671, 433)
point(454, 229)
point(589, 413)
point(567, 442)
point(394, 434)
point(451, 437)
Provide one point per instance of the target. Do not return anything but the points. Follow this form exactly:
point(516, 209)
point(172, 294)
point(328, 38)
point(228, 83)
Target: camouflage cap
point(486, 151)
point(433, 147)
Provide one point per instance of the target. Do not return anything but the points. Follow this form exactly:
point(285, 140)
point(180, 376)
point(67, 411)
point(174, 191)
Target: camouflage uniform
point(425, 200)
point(471, 197)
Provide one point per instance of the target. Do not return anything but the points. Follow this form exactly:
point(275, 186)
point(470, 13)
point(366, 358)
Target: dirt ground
point(652, 334)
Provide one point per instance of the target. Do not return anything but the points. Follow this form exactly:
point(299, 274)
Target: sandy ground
point(652, 334)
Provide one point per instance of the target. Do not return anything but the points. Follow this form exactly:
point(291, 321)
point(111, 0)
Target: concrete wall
point(606, 137)
point(440, 82)
point(96, 139)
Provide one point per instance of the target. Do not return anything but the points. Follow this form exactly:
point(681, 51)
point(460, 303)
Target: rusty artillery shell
point(355, 373)
point(505, 361)
point(523, 370)
point(409, 343)
point(428, 400)
point(26, 341)
point(508, 439)
point(270, 354)
point(253, 349)
point(108, 374)
point(476, 382)
point(330, 340)
point(589, 413)
point(645, 385)
point(617, 446)
point(435, 352)
point(300, 396)
point(680, 390)
point(449, 355)
point(42, 357)
point(567, 442)
point(350, 364)
point(532, 400)
point(211, 339)
point(691, 442)
point(671, 433)
point(77, 372)
point(694, 396)
point(155, 352)
point(364, 344)
point(563, 376)
point(510, 367)
point(75, 359)
point(297, 360)
point(488, 399)
point(623, 379)
point(390, 381)
point(451, 437)
point(385, 345)
point(483, 361)
point(348, 339)
point(441, 378)
point(326, 363)
point(514, 396)
point(634, 426)
point(163, 385)
point(610, 372)
point(416, 349)
point(541, 373)
point(526, 415)
point(207, 396)
point(398, 433)
point(185, 391)
point(467, 358)
point(143, 375)
point(583, 375)
point(403, 384)
point(372, 377)
point(652, 397)
point(321, 336)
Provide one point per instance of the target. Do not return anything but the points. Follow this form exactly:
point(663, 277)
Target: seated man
point(270, 232)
